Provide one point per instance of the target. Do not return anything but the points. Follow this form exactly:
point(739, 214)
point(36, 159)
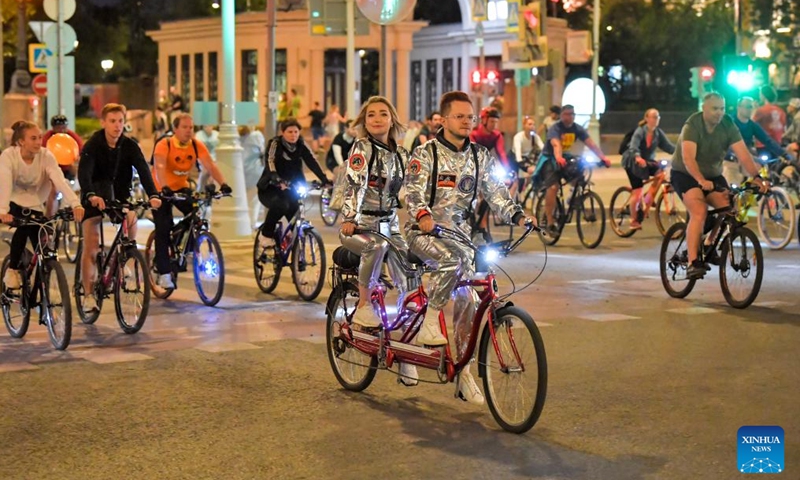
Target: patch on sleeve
point(357, 162)
point(467, 184)
point(414, 167)
point(446, 180)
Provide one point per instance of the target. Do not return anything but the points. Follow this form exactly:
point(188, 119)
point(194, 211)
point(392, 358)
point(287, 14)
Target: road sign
point(512, 22)
point(329, 17)
point(51, 8)
point(68, 38)
point(37, 57)
point(39, 85)
point(39, 28)
point(479, 11)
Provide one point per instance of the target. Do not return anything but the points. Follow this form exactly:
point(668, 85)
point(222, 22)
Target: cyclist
point(791, 138)
point(283, 169)
point(527, 147)
point(27, 174)
point(428, 130)
point(375, 172)
point(210, 139)
point(60, 124)
point(750, 131)
point(105, 173)
point(640, 163)
point(697, 169)
point(489, 135)
point(174, 158)
point(442, 181)
point(340, 147)
point(553, 116)
point(551, 167)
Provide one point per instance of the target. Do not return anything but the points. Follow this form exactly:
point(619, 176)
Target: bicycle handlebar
point(41, 220)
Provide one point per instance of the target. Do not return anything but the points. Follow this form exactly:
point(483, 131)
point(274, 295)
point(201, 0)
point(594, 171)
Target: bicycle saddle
point(344, 258)
point(414, 259)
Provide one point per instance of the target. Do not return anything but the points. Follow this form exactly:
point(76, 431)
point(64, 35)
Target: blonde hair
point(111, 108)
point(18, 130)
point(360, 122)
point(643, 121)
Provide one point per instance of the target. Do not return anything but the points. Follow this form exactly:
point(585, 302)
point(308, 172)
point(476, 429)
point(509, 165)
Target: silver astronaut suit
point(374, 176)
point(455, 184)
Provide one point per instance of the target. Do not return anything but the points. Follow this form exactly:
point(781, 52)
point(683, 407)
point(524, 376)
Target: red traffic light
point(476, 77)
point(707, 73)
point(491, 76)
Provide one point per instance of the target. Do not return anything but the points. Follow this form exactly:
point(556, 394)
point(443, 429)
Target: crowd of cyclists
point(449, 175)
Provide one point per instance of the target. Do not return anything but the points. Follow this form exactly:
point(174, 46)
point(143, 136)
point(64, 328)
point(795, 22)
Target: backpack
point(626, 142)
point(169, 135)
point(435, 174)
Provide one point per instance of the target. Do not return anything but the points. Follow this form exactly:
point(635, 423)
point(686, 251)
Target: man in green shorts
point(697, 169)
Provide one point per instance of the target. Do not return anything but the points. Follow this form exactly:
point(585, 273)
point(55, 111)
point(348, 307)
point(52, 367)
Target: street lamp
point(215, 5)
point(107, 64)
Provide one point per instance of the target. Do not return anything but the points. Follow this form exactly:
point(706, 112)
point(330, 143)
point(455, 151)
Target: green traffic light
point(742, 81)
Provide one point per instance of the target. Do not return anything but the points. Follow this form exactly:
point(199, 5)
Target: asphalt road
point(641, 386)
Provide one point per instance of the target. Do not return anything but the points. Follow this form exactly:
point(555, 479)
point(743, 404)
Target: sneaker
point(696, 270)
point(430, 333)
point(89, 304)
point(467, 388)
point(366, 317)
point(165, 281)
point(265, 242)
point(712, 257)
point(552, 231)
point(12, 279)
point(408, 375)
point(636, 225)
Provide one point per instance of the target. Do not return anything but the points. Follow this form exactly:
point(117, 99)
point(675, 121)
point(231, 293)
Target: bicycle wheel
point(329, 216)
point(152, 273)
point(620, 211)
point(267, 265)
point(16, 314)
point(308, 264)
point(513, 366)
point(741, 267)
point(353, 369)
point(541, 218)
point(673, 262)
point(131, 290)
point(56, 311)
point(669, 210)
point(71, 235)
point(776, 218)
point(86, 317)
point(209, 268)
point(591, 221)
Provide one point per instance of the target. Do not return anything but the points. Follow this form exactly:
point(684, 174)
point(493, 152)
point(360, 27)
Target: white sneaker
point(467, 388)
point(165, 281)
point(12, 279)
point(429, 332)
point(408, 375)
point(366, 317)
point(89, 304)
point(265, 242)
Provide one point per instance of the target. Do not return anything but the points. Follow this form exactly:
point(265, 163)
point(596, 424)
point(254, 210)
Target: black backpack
point(626, 142)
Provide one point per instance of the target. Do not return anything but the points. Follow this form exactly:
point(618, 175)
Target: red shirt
point(491, 140)
point(772, 119)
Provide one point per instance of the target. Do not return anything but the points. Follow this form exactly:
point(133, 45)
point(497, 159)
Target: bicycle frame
point(106, 275)
point(389, 350)
point(298, 223)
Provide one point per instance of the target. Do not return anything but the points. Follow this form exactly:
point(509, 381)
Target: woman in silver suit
point(375, 170)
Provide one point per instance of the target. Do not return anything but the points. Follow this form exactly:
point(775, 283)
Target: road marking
point(608, 317)
point(793, 267)
point(771, 304)
point(226, 347)
point(693, 310)
point(104, 357)
point(16, 367)
point(593, 281)
point(317, 339)
point(543, 324)
point(650, 277)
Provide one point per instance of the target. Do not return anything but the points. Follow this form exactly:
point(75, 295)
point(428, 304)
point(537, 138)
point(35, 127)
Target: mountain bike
point(584, 205)
point(121, 271)
point(735, 248)
point(669, 208)
point(777, 217)
point(299, 246)
point(43, 286)
point(68, 232)
point(191, 236)
point(511, 354)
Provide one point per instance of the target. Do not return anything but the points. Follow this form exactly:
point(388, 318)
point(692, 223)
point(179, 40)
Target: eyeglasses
point(464, 118)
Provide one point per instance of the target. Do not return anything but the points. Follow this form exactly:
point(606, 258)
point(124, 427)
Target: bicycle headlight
point(491, 255)
point(664, 163)
point(302, 191)
point(499, 172)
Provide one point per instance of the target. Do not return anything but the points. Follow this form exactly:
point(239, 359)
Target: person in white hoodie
point(28, 173)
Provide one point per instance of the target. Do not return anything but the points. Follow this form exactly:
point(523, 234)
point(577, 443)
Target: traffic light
point(475, 79)
point(741, 73)
point(478, 78)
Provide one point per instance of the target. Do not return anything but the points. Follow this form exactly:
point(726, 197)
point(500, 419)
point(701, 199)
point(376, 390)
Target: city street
point(641, 385)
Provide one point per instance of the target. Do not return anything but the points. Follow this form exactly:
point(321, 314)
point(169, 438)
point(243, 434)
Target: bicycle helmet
point(58, 120)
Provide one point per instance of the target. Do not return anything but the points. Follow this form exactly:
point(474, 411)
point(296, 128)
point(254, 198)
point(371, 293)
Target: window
point(280, 70)
point(497, 10)
point(447, 75)
point(199, 74)
point(172, 75)
point(213, 95)
point(416, 90)
point(249, 75)
point(186, 79)
point(430, 86)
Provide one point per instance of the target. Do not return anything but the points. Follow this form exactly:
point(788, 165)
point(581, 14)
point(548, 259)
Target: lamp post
point(106, 65)
point(231, 218)
point(2, 85)
point(594, 123)
point(21, 79)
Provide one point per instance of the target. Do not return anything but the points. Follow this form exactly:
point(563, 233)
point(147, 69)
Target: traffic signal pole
point(482, 69)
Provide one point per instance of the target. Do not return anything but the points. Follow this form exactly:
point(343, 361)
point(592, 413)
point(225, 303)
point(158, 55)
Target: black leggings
point(280, 203)
point(22, 234)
